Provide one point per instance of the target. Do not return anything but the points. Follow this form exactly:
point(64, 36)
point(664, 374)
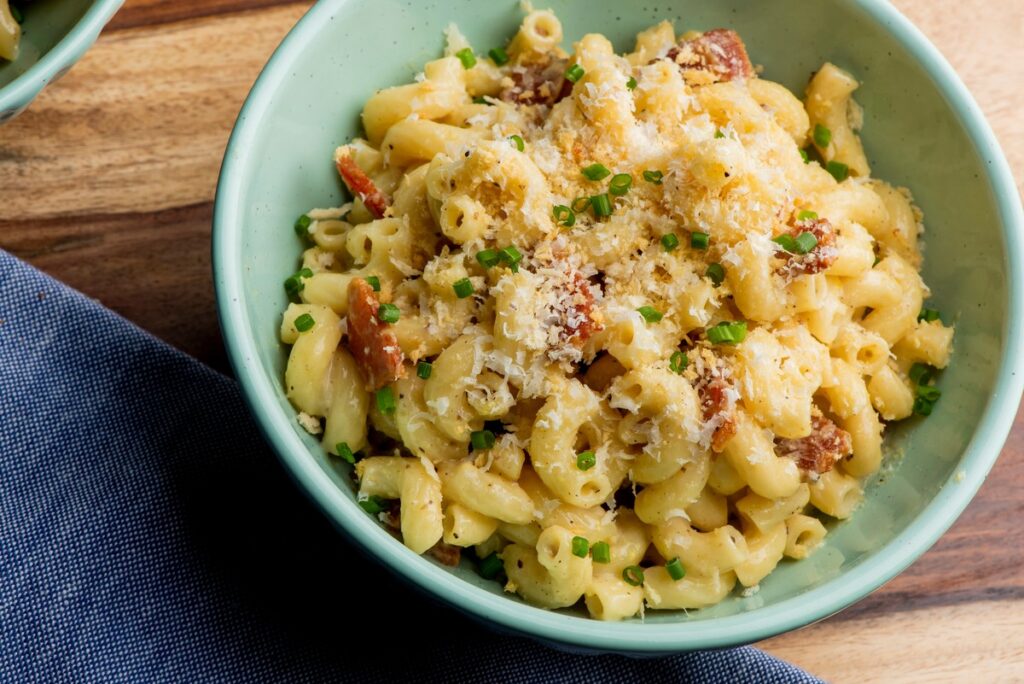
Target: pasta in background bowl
point(40, 40)
point(298, 109)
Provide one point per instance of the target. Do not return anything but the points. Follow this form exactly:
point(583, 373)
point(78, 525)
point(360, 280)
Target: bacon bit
point(713, 388)
point(581, 319)
point(360, 184)
point(817, 452)
point(818, 259)
point(720, 53)
point(539, 83)
point(392, 515)
point(373, 346)
point(446, 554)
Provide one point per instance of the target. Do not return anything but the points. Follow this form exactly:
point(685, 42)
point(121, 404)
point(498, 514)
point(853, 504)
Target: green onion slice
point(374, 282)
point(596, 172)
point(699, 240)
point(385, 397)
point(716, 272)
point(481, 440)
point(807, 215)
point(631, 83)
point(580, 546)
point(929, 315)
point(719, 134)
point(675, 569)
point(467, 58)
point(805, 242)
point(727, 332)
point(678, 362)
point(920, 374)
point(669, 241)
point(574, 73)
point(806, 157)
point(490, 566)
point(424, 369)
point(564, 216)
point(511, 256)
point(488, 257)
point(517, 142)
point(302, 225)
point(653, 176)
point(601, 552)
point(373, 505)
point(304, 322)
point(388, 313)
point(839, 170)
point(498, 56)
point(650, 314)
point(586, 460)
point(345, 451)
point(580, 204)
point(620, 184)
point(463, 288)
point(822, 136)
point(601, 204)
point(634, 575)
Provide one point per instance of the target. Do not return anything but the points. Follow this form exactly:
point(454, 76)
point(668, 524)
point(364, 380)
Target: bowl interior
point(308, 101)
point(46, 24)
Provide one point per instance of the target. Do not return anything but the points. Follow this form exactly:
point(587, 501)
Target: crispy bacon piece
point(446, 553)
point(373, 346)
point(719, 53)
point(817, 452)
point(818, 259)
point(540, 83)
point(713, 388)
point(360, 184)
point(581, 319)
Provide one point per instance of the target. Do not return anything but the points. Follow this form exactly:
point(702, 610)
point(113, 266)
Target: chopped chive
point(345, 452)
point(805, 242)
point(929, 393)
point(727, 332)
point(719, 134)
point(601, 204)
point(373, 505)
point(601, 552)
point(580, 204)
point(650, 314)
point(463, 288)
point(302, 225)
point(480, 99)
point(596, 172)
point(586, 460)
point(678, 362)
point(388, 313)
point(490, 566)
point(839, 170)
point(786, 242)
point(806, 157)
point(511, 256)
point(488, 257)
point(653, 176)
point(424, 369)
point(374, 282)
point(675, 569)
point(716, 272)
point(385, 400)
point(517, 142)
point(574, 73)
point(699, 240)
point(620, 184)
point(293, 284)
point(498, 56)
point(564, 216)
point(467, 58)
point(807, 215)
point(923, 407)
point(822, 136)
point(481, 440)
point(580, 546)
point(631, 83)
point(304, 323)
point(929, 315)
point(669, 241)
point(920, 374)
point(633, 575)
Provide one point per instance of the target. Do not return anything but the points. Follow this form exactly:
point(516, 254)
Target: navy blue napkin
point(148, 534)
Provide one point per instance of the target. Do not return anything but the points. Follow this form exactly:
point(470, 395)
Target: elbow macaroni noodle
point(589, 313)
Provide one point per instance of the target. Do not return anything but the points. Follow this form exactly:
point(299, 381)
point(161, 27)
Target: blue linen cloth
point(148, 534)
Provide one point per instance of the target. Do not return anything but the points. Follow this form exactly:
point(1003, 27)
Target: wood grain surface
point(107, 183)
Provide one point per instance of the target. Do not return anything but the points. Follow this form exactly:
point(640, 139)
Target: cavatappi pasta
point(630, 327)
point(10, 30)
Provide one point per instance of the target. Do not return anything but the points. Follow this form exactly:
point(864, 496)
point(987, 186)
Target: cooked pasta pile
point(628, 326)
point(10, 30)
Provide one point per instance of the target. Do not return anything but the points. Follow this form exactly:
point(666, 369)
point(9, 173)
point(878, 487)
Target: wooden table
point(107, 182)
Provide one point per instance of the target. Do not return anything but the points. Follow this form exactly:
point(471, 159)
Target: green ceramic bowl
point(922, 130)
point(55, 35)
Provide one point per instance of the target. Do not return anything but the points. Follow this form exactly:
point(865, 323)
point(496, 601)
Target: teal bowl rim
point(20, 92)
point(628, 637)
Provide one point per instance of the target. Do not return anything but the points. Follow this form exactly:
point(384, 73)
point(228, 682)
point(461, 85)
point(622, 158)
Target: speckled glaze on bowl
point(55, 35)
point(922, 130)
